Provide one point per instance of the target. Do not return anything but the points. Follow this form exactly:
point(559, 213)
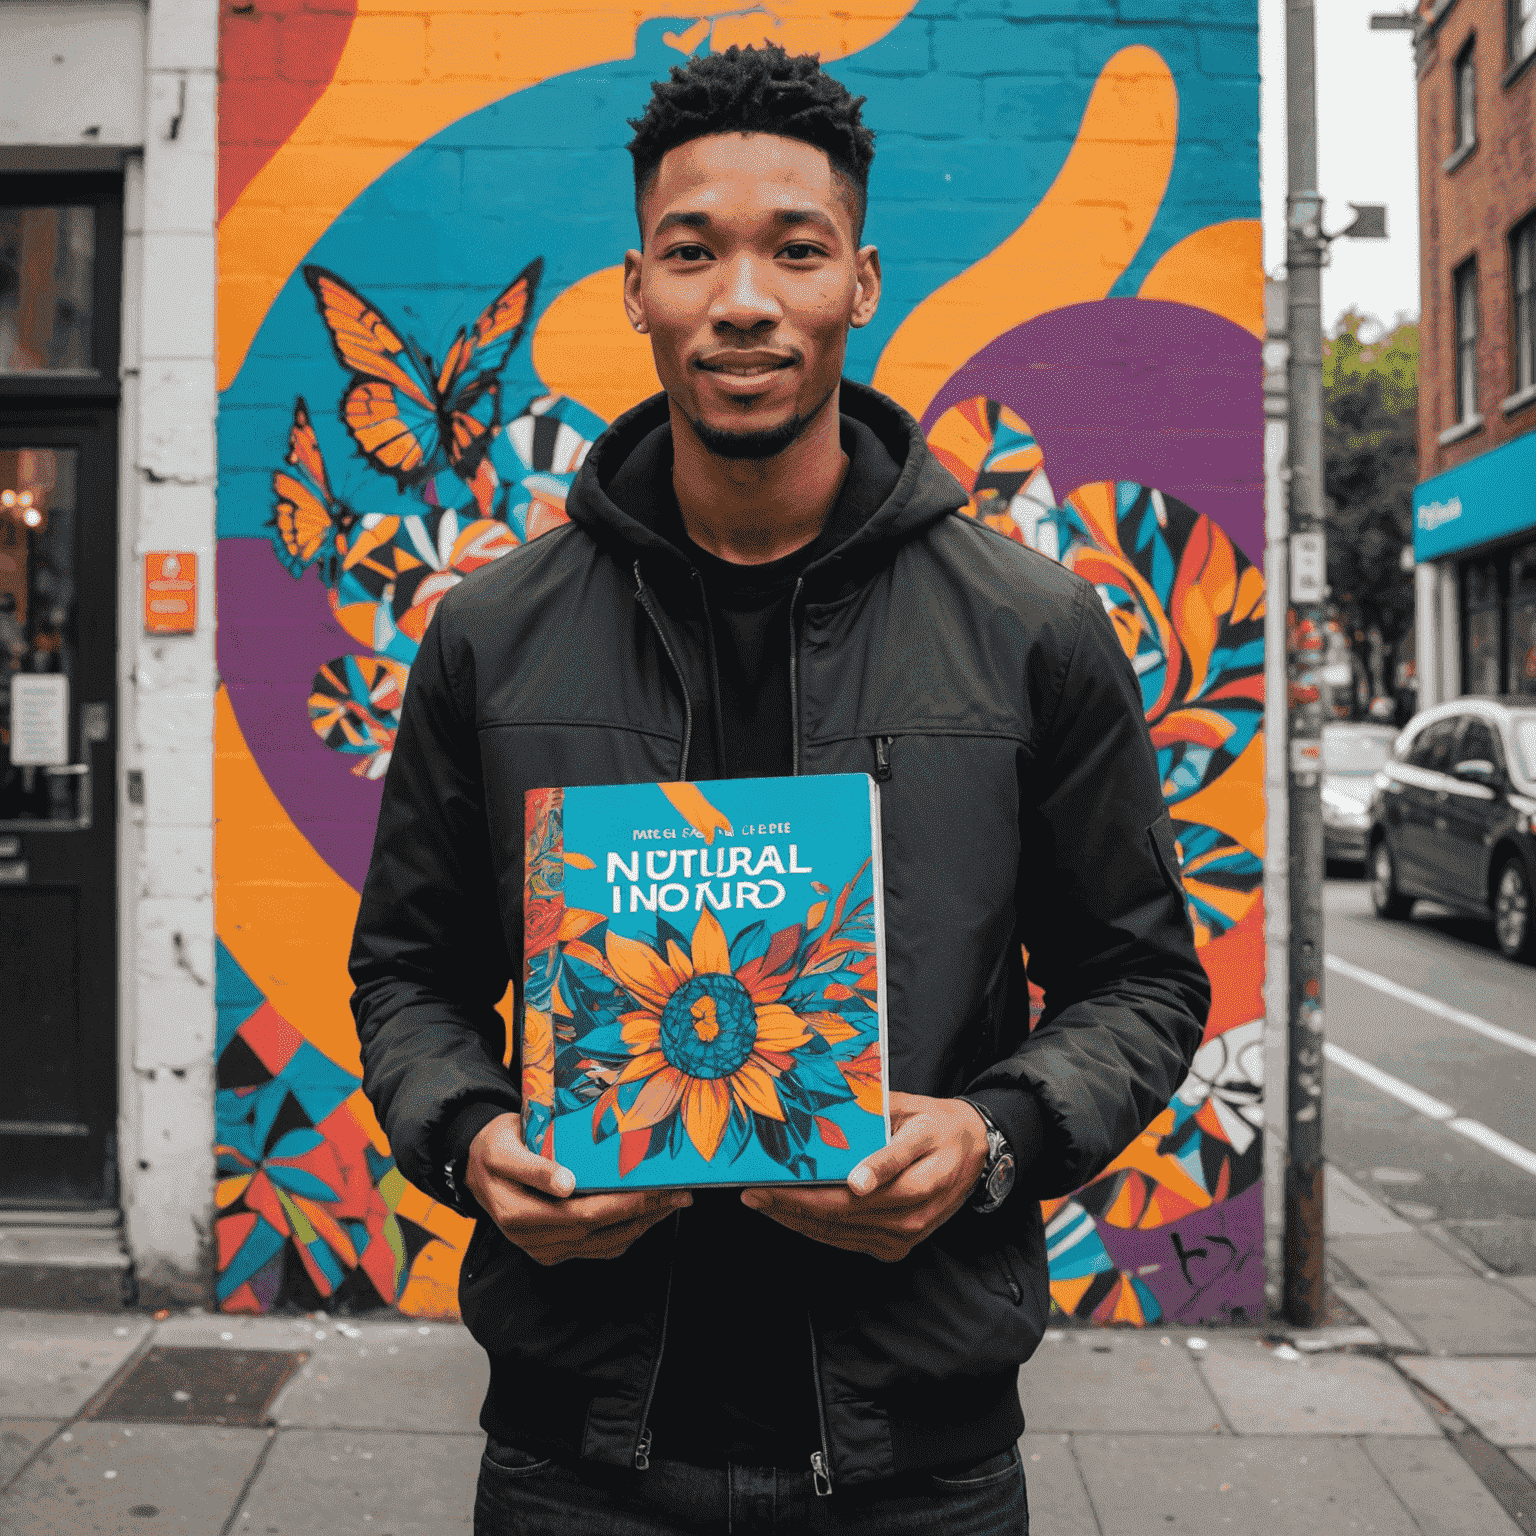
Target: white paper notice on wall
point(39, 719)
point(1309, 568)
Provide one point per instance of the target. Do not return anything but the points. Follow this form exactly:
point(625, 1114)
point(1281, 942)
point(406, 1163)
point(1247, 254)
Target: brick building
point(1475, 508)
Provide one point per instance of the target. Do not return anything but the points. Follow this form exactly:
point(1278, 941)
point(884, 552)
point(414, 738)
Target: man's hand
point(899, 1195)
point(529, 1198)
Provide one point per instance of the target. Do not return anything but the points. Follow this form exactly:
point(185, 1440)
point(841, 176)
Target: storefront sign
point(170, 592)
point(39, 719)
point(1484, 499)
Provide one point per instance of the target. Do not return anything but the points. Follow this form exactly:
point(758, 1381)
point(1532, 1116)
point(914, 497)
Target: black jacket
point(983, 685)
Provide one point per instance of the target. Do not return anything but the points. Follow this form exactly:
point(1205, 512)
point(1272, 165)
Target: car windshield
point(1356, 751)
point(1525, 743)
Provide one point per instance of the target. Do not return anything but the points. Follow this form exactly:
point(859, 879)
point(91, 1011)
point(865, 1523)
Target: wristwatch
point(998, 1172)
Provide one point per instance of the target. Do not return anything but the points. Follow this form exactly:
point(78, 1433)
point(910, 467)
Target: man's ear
point(634, 305)
point(866, 296)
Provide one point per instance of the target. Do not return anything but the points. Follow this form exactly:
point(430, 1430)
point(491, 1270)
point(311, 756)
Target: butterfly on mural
point(411, 417)
point(309, 520)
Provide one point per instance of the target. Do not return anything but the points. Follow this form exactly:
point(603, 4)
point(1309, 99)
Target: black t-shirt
point(736, 1380)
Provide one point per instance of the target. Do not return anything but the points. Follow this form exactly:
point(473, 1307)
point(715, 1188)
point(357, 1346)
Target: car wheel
point(1388, 901)
point(1514, 923)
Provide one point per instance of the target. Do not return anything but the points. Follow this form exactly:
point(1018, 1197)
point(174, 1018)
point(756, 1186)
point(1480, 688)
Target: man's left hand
point(899, 1195)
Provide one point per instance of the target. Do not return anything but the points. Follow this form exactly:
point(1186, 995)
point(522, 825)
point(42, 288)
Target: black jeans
point(521, 1494)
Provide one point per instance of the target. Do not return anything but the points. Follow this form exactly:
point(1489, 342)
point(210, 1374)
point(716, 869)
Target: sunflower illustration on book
point(716, 1052)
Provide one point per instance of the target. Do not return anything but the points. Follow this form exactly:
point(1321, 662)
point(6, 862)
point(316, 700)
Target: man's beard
point(765, 444)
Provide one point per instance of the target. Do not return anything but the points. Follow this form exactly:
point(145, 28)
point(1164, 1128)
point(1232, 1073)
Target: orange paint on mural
point(393, 90)
point(586, 348)
point(1233, 803)
point(289, 932)
point(1220, 269)
point(1082, 235)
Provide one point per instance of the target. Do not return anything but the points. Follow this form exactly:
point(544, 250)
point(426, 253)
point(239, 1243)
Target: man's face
point(748, 283)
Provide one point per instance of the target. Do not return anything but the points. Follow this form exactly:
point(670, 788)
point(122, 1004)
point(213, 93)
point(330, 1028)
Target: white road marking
point(1433, 1005)
point(1435, 1109)
point(1388, 1084)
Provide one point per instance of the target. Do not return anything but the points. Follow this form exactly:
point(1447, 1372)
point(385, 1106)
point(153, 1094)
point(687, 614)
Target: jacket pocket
point(1002, 1261)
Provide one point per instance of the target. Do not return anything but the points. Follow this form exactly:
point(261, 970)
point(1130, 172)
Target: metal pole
point(1304, 1291)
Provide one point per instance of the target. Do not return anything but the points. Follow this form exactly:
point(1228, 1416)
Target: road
point(1432, 1038)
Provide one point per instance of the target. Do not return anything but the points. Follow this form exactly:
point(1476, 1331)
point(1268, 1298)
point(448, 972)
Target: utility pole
point(1304, 1289)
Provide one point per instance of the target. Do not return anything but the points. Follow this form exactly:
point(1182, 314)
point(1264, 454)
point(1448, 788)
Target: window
point(1482, 603)
point(1522, 621)
point(1523, 264)
point(1432, 747)
point(1522, 29)
point(1477, 744)
point(1466, 97)
point(1464, 280)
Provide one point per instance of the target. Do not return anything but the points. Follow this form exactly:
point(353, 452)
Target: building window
point(1523, 265)
point(1522, 29)
point(1522, 621)
point(1466, 96)
point(1465, 309)
point(1482, 612)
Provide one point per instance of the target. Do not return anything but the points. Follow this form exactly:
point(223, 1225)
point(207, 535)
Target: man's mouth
point(745, 365)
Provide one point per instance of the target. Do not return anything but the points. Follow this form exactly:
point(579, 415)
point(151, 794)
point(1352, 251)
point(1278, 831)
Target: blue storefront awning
point(1489, 497)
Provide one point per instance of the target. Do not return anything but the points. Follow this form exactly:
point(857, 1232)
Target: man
point(767, 573)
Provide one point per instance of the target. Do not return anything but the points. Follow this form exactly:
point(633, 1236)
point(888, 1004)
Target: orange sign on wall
point(170, 592)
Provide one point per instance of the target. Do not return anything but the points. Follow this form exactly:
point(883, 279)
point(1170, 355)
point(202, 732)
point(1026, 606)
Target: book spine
point(543, 911)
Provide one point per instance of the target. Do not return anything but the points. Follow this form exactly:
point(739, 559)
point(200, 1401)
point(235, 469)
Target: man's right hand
point(529, 1198)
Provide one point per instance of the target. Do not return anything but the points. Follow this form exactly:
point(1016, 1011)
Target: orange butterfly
point(307, 518)
point(411, 418)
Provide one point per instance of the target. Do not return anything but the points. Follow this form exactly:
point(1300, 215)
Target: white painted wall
point(103, 82)
point(167, 683)
point(73, 72)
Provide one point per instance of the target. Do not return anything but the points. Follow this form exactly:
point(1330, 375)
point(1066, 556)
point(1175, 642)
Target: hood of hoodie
point(924, 492)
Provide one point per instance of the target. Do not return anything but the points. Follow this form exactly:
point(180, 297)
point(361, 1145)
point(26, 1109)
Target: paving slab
point(1351, 1211)
point(391, 1376)
point(120, 1480)
point(1466, 1316)
point(1115, 1383)
point(1526, 1461)
point(1399, 1256)
point(1440, 1488)
point(1141, 1484)
point(1394, 1333)
point(1264, 1394)
point(347, 1483)
point(52, 1363)
point(1058, 1501)
point(1525, 1284)
point(18, 1439)
point(1497, 1397)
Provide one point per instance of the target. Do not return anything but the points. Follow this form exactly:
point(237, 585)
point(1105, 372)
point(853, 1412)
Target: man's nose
point(743, 300)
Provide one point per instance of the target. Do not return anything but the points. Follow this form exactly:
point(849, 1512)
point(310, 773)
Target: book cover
point(704, 986)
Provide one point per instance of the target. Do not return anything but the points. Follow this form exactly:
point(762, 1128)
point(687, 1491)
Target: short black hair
point(755, 90)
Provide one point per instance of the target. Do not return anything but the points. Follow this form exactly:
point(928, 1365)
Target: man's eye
point(802, 250)
point(690, 253)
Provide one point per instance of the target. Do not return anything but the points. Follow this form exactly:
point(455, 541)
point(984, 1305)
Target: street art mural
point(423, 216)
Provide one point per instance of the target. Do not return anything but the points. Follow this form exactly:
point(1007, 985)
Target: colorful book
point(704, 981)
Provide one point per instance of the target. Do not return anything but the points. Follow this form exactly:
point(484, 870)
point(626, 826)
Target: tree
point(1370, 419)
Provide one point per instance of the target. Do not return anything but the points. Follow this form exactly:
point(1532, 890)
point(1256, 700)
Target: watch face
point(1000, 1180)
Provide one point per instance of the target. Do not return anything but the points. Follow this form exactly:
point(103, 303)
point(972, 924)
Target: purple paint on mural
point(1211, 1262)
point(274, 635)
point(1136, 389)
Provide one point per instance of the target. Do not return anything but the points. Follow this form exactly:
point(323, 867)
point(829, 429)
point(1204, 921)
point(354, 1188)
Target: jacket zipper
point(643, 1443)
point(821, 1461)
point(643, 598)
point(794, 712)
point(883, 757)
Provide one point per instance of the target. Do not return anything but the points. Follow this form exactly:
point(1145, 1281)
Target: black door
point(59, 270)
point(1473, 815)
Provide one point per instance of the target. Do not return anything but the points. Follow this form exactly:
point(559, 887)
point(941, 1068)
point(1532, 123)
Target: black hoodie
point(984, 688)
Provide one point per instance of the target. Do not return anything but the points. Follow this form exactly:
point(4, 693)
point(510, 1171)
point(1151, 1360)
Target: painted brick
point(175, 720)
point(173, 515)
point(1234, 52)
point(908, 51)
point(176, 421)
point(921, 97)
point(1176, 46)
point(179, 188)
point(379, 48)
point(178, 294)
point(178, 787)
point(183, 34)
point(459, 49)
point(1013, 109)
point(1038, 10)
point(436, 193)
point(1009, 48)
point(250, 44)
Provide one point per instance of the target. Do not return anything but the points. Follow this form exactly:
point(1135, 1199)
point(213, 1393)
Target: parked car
point(1453, 817)
point(1354, 752)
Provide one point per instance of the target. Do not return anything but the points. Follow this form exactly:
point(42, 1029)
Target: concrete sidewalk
point(1418, 1419)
